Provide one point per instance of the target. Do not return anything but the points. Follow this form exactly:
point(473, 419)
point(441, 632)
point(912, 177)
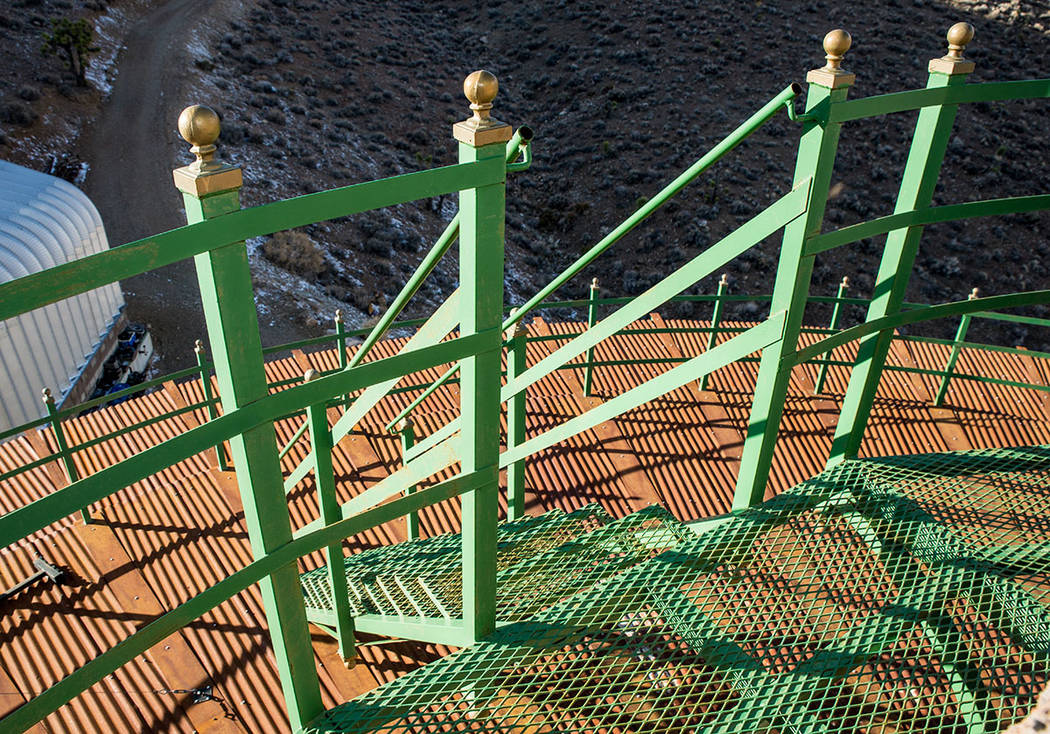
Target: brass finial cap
point(953, 62)
point(199, 126)
point(832, 75)
point(845, 281)
point(406, 423)
point(480, 88)
point(310, 375)
point(973, 295)
point(45, 394)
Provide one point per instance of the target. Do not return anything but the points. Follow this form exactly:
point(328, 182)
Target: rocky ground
point(321, 93)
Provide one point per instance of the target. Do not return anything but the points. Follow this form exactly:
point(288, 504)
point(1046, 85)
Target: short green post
point(328, 505)
point(407, 428)
point(481, 210)
point(340, 338)
point(204, 365)
point(828, 86)
point(592, 318)
point(517, 361)
point(836, 317)
point(716, 319)
point(921, 173)
point(63, 447)
point(953, 357)
point(211, 189)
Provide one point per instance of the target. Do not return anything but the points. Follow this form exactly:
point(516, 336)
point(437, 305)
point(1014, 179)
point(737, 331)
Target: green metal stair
point(862, 600)
point(540, 560)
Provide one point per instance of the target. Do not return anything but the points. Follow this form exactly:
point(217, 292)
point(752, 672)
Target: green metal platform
point(897, 594)
point(540, 561)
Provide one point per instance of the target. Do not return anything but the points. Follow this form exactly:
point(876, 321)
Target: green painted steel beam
point(119, 263)
point(921, 173)
point(927, 215)
point(481, 252)
point(888, 104)
point(517, 363)
point(329, 512)
point(225, 282)
point(815, 163)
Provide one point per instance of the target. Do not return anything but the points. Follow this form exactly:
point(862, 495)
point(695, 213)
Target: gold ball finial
point(836, 44)
point(959, 35)
point(310, 375)
point(45, 394)
point(481, 87)
point(973, 295)
point(199, 126)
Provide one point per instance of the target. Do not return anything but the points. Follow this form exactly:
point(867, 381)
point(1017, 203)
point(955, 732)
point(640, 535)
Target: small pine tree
point(73, 38)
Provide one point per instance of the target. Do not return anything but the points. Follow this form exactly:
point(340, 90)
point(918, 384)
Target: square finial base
point(948, 65)
point(470, 133)
point(832, 79)
point(197, 183)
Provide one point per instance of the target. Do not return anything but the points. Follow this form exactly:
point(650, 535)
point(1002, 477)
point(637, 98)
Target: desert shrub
point(295, 252)
point(16, 113)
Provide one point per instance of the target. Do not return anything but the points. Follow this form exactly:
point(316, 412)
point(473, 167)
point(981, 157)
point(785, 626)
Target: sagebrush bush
point(296, 253)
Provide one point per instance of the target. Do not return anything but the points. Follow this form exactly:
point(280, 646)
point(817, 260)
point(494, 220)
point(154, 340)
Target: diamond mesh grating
point(904, 594)
point(540, 560)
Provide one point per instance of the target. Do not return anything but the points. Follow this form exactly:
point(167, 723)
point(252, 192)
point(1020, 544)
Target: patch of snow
point(102, 68)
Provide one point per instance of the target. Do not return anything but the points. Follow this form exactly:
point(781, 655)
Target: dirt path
point(131, 150)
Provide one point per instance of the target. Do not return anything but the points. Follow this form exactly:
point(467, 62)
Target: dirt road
point(131, 150)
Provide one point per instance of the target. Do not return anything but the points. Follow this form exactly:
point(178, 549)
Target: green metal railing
point(466, 331)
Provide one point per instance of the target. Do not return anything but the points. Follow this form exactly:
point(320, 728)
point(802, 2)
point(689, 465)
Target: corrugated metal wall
point(45, 221)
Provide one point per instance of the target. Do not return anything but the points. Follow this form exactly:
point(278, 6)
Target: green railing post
point(204, 365)
point(592, 313)
point(330, 512)
point(929, 142)
point(340, 338)
point(836, 317)
point(407, 428)
point(517, 362)
point(481, 211)
point(211, 189)
point(953, 357)
point(716, 319)
point(816, 159)
point(63, 448)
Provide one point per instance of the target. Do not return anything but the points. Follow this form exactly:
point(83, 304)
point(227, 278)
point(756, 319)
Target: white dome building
point(45, 221)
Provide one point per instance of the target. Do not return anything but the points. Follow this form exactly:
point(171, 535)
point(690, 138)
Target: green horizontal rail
point(977, 346)
point(955, 308)
point(103, 399)
point(756, 338)
point(25, 520)
point(325, 338)
point(888, 104)
point(919, 217)
point(165, 625)
point(70, 279)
